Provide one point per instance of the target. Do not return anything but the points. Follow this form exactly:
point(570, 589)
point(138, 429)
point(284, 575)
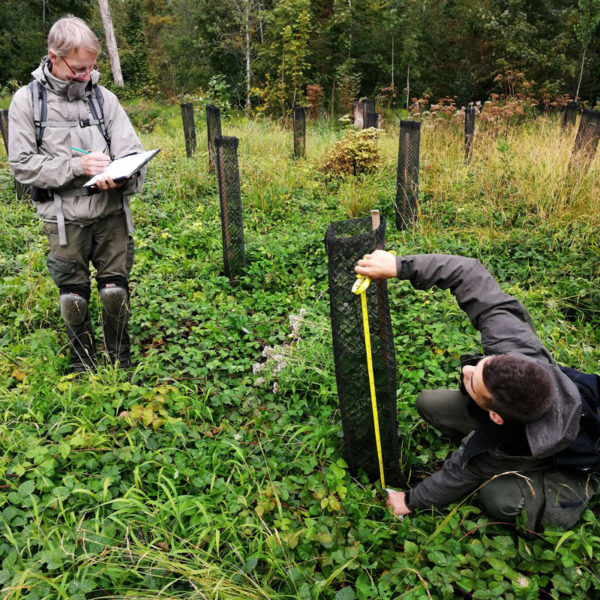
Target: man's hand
point(94, 163)
point(104, 183)
point(396, 501)
point(379, 265)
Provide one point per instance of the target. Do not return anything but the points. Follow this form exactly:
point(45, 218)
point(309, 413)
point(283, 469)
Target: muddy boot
point(74, 311)
point(115, 324)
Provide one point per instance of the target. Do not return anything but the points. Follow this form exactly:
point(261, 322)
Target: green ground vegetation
point(216, 469)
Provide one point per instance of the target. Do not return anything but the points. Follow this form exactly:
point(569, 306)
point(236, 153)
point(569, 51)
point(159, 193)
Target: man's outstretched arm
point(504, 323)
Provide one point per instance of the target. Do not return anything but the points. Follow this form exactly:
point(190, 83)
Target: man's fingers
point(106, 183)
point(94, 163)
point(378, 265)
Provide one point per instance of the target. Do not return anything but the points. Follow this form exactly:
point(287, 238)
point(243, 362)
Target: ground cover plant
point(216, 469)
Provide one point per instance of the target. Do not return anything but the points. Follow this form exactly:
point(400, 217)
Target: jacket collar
point(560, 425)
point(71, 90)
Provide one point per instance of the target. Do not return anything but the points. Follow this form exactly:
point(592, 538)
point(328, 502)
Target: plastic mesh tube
point(346, 243)
point(232, 226)
point(299, 117)
point(213, 129)
point(407, 177)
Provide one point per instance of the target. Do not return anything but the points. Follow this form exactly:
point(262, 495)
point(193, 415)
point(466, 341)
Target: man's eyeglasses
point(79, 72)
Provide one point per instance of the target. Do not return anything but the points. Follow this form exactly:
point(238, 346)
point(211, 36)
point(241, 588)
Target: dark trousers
point(105, 244)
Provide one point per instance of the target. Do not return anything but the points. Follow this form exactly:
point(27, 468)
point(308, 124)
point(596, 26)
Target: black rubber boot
point(115, 324)
point(74, 311)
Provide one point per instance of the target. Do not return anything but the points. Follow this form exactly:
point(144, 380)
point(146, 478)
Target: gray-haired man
point(64, 129)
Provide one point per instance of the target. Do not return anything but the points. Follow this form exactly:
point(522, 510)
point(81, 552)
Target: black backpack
point(584, 453)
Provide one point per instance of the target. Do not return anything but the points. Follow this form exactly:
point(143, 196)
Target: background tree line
point(262, 54)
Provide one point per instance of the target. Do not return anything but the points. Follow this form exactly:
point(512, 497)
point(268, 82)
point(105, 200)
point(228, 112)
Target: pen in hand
point(93, 163)
point(86, 152)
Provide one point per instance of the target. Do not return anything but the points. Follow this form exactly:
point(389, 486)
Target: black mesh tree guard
point(4, 127)
point(213, 130)
point(470, 113)
point(587, 139)
point(369, 113)
point(346, 243)
point(569, 115)
point(407, 177)
point(232, 226)
point(299, 118)
point(189, 129)
point(21, 189)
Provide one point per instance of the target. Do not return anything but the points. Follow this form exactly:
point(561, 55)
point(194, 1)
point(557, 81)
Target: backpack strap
point(40, 113)
point(96, 104)
point(40, 109)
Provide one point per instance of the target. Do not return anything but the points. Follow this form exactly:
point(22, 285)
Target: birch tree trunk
point(111, 42)
point(393, 39)
point(580, 74)
point(244, 10)
point(247, 52)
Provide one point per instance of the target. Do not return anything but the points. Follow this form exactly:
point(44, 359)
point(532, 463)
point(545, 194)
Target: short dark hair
point(520, 389)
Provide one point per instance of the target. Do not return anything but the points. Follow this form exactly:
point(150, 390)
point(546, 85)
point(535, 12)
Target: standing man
point(64, 128)
point(525, 441)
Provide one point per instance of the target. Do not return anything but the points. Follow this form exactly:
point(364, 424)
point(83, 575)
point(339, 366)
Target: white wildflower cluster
point(295, 322)
point(276, 356)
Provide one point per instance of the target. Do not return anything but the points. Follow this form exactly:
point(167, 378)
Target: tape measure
point(360, 288)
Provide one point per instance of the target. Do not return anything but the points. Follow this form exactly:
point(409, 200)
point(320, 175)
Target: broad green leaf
point(346, 593)
point(26, 488)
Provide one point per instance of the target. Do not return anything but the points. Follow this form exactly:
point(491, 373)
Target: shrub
point(355, 153)
point(144, 115)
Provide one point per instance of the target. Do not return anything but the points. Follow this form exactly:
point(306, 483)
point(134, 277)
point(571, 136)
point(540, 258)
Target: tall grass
point(524, 175)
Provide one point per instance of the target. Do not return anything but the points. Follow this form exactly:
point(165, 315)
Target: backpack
point(40, 113)
point(584, 453)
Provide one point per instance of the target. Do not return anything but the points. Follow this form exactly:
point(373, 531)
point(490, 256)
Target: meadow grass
point(203, 475)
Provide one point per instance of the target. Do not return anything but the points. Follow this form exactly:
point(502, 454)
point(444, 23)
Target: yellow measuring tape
point(360, 288)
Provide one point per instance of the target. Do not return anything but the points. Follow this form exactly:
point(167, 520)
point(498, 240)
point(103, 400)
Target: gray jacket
point(55, 165)
point(506, 328)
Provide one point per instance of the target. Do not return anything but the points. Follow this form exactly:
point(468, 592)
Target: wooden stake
point(375, 219)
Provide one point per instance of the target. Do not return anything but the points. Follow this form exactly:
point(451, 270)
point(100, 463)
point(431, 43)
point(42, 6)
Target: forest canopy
point(263, 54)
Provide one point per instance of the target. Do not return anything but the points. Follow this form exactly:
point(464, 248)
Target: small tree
point(589, 17)
point(348, 85)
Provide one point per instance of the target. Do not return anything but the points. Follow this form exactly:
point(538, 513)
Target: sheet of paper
point(125, 167)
